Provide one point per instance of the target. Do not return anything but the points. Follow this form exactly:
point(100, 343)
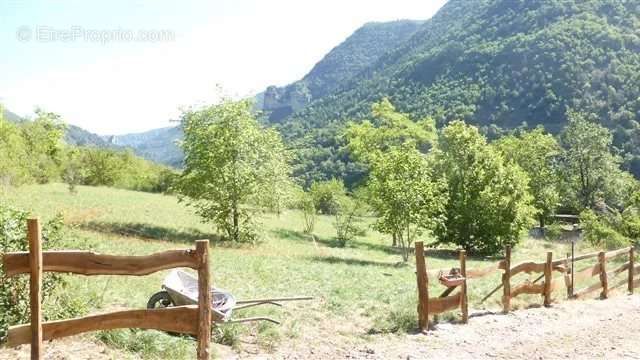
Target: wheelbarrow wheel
point(159, 300)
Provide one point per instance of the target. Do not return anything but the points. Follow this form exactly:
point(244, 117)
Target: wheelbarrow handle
point(247, 305)
point(250, 319)
point(296, 298)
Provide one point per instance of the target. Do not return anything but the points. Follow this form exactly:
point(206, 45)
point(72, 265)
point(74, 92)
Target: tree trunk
point(395, 240)
point(236, 223)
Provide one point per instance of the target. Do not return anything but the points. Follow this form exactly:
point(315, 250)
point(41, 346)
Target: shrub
point(14, 291)
point(304, 203)
point(325, 195)
point(552, 232)
point(347, 219)
point(601, 232)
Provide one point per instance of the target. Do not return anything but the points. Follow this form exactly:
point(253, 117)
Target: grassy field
point(364, 283)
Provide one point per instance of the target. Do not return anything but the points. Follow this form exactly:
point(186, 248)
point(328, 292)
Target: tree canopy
point(231, 162)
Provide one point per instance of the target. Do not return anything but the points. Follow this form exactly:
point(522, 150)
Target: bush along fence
point(544, 284)
point(191, 319)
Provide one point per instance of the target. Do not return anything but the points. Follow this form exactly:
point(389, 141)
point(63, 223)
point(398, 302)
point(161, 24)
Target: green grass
point(365, 280)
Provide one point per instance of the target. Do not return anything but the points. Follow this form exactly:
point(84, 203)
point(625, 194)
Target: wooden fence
point(192, 319)
point(565, 266)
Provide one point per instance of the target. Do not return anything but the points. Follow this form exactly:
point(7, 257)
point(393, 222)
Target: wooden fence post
point(631, 265)
point(567, 277)
point(602, 259)
point(34, 236)
point(204, 300)
point(506, 281)
point(464, 304)
point(573, 264)
point(548, 278)
point(423, 288)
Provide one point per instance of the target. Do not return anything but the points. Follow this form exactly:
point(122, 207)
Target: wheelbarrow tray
point(183, 290)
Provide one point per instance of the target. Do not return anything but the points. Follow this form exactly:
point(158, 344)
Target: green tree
point(388, 129)
point(406, 196)
point(13, 151)
point(227, 165)
point(536, 153)
point(590, 171)
point(279, 187)
point(402, 190)
point(43, 138)
point(488, 205)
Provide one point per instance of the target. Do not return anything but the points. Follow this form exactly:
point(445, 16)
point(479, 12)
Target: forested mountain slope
point(358, 52)
point(496, 63)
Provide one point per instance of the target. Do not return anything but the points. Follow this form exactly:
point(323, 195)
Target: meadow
point(362, 290)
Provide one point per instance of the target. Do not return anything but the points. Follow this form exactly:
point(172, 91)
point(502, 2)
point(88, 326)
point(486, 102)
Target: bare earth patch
point(72, 348)
point(571, 329)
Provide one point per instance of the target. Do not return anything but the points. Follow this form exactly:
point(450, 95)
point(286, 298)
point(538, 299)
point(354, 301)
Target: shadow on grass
point(153, 232)
point(356, 262)
point(332, 242)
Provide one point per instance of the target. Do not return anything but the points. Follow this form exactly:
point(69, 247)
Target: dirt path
point(589, 329)
point(72, 348)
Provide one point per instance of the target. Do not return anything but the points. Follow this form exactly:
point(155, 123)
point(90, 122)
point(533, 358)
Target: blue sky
point(126, 66)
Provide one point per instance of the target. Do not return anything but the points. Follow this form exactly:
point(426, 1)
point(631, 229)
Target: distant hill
point(159, 145)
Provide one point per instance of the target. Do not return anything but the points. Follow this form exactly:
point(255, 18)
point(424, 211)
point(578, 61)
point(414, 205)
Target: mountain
point(359, 51)
point(499, 64)
point(78, 136)
point(159, 145)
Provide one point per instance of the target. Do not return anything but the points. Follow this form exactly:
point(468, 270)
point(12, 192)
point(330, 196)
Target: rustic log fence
point(445, 302)
point(192, 319)
point(565, 266)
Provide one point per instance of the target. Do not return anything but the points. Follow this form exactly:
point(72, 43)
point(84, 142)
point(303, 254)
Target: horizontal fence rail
point(192, 319)
point(543, 285)
point(180, 319)
point(90, 263)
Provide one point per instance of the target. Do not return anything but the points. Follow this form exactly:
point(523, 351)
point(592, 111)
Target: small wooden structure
point(192, 319)
point(445, 302)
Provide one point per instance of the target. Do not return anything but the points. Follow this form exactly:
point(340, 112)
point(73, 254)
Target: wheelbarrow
point(181, 288)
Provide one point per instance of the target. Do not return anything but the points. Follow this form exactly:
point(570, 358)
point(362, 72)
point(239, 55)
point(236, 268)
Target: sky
point(129, 66)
